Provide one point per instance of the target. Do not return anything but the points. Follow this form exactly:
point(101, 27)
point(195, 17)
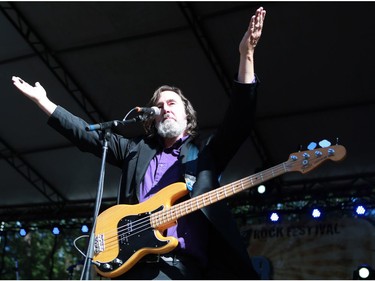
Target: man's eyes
point(169, 103)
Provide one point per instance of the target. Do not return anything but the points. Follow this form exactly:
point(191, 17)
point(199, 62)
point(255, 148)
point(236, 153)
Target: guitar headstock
point(305, 161)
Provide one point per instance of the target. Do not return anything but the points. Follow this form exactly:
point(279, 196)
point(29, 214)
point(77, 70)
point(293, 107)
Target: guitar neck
point(177, 211)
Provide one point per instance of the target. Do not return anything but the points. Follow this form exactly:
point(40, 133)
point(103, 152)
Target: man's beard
point(171, 128)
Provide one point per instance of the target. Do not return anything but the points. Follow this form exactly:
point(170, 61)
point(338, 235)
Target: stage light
point(261, 189)
point(84, 229)
point(2, 227)
point(23, 232)
point(364, 272)
point(360, 210)
point(56, 230)
point(316, 213)
point(274, 217)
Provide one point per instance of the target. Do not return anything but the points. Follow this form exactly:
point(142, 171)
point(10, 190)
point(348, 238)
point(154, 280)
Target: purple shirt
point(191, 230)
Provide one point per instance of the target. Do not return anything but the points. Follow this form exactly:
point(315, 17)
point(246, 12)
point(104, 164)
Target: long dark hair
point(191, 114)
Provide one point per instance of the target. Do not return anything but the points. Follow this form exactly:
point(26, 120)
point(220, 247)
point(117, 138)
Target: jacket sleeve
point(74, 129)
point(237, 124)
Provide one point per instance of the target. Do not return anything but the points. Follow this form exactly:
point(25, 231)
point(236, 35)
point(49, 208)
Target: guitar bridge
point(99, 244)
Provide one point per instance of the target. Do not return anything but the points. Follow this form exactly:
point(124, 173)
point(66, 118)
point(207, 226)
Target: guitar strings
point(274, 171)
point(144, 223)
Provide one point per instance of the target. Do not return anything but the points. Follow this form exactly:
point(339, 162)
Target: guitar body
point(124, 233)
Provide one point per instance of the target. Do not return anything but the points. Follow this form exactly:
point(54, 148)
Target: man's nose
point(166, 108)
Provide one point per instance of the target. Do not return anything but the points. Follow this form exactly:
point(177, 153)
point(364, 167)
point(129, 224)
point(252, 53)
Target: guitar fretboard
point(177, 211)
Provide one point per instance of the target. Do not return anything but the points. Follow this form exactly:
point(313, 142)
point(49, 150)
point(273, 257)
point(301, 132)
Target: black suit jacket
point(134, 155)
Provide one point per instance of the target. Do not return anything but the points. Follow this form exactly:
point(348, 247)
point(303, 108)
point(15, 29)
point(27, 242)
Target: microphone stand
point(106, 129)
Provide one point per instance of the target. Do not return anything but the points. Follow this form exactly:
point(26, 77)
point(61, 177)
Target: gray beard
point(170, 128)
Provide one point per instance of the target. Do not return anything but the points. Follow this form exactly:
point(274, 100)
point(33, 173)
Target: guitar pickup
point(99, 244)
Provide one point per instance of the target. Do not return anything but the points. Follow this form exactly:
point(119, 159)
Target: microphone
point(149, 111)
point(102, 126)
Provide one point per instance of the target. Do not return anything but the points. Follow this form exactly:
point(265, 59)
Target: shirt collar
point(176, 147)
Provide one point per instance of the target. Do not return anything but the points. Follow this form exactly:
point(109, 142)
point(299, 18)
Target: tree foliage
point(41, 254)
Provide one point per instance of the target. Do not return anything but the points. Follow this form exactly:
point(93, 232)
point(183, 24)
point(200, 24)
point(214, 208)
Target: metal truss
point(50, 59)
point(30, 174)
point(9, 154)
point(79, 209)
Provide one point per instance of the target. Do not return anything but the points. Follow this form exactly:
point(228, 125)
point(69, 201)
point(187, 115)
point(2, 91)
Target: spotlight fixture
point(274, 217)
point(23, 232)
point(55, 230)
point(261, 189)
point(316, 213)
point(364, 272)
point(360, 210)
point(84, 229)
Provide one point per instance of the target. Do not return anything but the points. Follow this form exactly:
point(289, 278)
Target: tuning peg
point(311, 146)
point(324, 143)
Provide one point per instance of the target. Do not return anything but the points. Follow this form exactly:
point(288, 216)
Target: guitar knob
point(331, 151)
point(293, 157)
point(306, 155)
point(318, 153)
point(305, 162)
point(118, 261)
point(107, 266)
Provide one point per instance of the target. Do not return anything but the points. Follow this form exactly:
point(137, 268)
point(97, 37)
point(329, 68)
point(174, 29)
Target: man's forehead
point(169, 95)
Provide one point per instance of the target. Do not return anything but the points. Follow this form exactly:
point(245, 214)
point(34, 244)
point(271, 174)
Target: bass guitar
point(126, 233)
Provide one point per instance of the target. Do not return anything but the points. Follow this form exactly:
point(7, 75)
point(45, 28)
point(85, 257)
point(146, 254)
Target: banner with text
point(314, 249)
